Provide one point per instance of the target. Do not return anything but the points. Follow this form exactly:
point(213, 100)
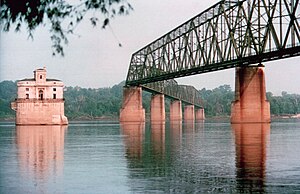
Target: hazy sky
point(95, 60)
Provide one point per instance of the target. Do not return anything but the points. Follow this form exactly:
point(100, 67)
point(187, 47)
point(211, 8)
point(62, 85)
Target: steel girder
point(228, 34)
point(171, 89)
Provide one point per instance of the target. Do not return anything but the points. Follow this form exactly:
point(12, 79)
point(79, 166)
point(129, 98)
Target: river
point(108, 157)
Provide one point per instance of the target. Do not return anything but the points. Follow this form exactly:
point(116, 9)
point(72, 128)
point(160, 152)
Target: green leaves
point(62, 17)
point(217, 102)
point(103, 102)
point(91, 103)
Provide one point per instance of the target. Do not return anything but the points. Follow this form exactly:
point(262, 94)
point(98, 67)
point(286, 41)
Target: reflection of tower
point(134, 137)
point(40, 152)
point(251, 140)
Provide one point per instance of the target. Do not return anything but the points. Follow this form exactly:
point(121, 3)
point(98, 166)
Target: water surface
point(108, 157)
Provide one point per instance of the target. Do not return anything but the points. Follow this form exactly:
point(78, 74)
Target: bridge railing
point(230, 33)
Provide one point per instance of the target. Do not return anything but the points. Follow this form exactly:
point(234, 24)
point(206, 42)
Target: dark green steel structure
point(226, 35)
point(171, 89)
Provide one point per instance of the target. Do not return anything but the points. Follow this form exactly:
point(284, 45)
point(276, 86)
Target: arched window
point(41, 94)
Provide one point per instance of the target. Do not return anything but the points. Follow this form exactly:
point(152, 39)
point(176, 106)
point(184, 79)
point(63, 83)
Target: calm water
point(106, 157)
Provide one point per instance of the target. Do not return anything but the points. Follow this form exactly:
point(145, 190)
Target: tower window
point(27, 96)
point(54, 96)
point(27, 89)
point(41, 77)
point(54, 89)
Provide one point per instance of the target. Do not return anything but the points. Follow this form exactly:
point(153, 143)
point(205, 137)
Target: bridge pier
point(157, 109)
point(189, 113)
point(199, 114)
point(175, 110)
point(250, 105)
point(132, 109)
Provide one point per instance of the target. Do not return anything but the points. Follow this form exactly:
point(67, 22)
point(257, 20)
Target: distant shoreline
point(114, 118)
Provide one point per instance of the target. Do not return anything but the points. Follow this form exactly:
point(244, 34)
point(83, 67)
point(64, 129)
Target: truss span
point(171, 89)
point(228, 34)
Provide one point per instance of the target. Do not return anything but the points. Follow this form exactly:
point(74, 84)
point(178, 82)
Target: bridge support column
point(157, 109)
point(189, 113)
point(250, 105)
point(199, 114)
point(132, 109)
point(175, 111)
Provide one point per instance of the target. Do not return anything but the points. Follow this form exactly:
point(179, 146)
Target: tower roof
point(32, 79)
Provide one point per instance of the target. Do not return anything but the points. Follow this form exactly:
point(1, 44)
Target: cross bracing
point(226, 35)
point(171, 89)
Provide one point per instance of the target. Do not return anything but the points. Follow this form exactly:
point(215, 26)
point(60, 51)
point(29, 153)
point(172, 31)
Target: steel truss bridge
point(171, 89)
point(228, 34)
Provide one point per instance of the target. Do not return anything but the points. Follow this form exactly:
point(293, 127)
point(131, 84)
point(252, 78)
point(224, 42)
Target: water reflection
point(175, 134)
point(211, 158)
point(133, 138)
point(40, 154)
point(158, 138)
point(148, 157)
point(251, 141)
point(189, 127)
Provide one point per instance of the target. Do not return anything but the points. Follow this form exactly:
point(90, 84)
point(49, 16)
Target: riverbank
point(115, 118)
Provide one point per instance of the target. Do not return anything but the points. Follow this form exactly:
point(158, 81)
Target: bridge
point(239, 34)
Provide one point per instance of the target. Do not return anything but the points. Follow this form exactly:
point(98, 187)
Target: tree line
point(83, 103)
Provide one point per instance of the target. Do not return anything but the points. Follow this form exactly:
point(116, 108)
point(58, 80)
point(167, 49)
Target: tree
point(62, 16)
point(8, 92)
point(217, 102)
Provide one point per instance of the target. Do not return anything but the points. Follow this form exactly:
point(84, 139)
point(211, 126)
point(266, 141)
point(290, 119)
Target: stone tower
point(40, 101)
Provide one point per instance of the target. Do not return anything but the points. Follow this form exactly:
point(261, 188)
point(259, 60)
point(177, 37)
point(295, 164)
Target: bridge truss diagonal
point(171, 89)
point(230, 33)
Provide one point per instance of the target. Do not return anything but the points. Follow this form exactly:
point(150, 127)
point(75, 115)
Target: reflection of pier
point(175, 133)
point(149, 150)
point(189, 127)
point(40, 152)
point(158, 138)
point(158, 155)
point(134, 137)
point(251, 141)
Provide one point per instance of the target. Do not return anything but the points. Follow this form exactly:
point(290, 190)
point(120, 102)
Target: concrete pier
point(250, 105)
point(175, 110)
point(199, 114)
point(132, 109)
point(189, 113)
point(157, 109)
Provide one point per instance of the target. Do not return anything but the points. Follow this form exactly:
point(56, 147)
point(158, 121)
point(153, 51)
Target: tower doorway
point(41, 94)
